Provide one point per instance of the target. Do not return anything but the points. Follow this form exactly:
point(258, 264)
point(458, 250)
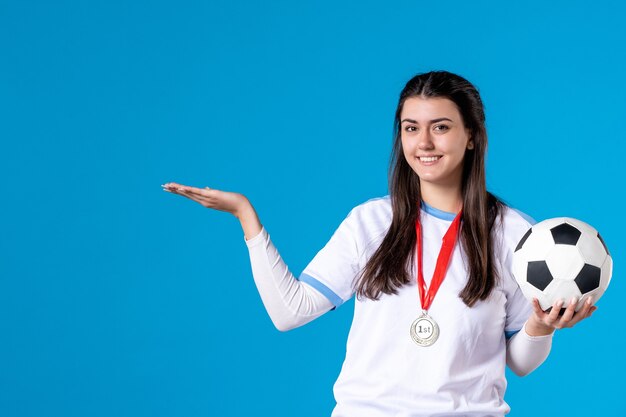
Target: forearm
point(290, 303)
point(525, 353)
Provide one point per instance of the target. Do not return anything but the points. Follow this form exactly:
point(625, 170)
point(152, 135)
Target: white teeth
point(429, 158)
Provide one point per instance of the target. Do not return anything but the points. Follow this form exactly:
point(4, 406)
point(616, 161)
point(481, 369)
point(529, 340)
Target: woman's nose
point(425, 141)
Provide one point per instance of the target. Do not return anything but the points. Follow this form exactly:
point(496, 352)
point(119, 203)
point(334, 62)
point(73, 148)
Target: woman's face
point(434, 139)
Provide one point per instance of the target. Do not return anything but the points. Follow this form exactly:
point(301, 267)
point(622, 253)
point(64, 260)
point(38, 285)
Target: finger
point(205, 197)
point(569, 312)
point(537, 309)
point(205, 192)
point(591, 310)
point(170, 185)
point(189, 194)
point(587, 308)
point(180, 187)
point(553, 316)
point(582, 313)
point(181, 190)
point(171, 188)
point(199, 198)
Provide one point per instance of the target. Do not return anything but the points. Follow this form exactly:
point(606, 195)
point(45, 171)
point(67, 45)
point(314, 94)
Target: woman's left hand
point(541, 323)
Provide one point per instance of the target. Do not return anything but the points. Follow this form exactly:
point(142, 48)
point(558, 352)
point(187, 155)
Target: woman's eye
point(441, 128)
point(410, 128)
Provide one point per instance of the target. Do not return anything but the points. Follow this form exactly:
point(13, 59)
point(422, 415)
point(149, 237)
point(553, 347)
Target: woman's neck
point(443, 198)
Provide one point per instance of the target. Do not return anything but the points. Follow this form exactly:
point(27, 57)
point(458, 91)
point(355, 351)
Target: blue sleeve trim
point(327, 292)
point(510, 333)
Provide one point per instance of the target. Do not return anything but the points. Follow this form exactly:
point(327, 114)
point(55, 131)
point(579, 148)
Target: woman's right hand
point(233, 203)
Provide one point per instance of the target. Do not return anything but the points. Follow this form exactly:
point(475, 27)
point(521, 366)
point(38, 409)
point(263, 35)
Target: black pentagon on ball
point(521, 242)
point(538, 274)
point(588, 279)
point(565, 234)
point(603, 244)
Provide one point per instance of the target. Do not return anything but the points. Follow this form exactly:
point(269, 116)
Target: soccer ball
point(562, 258)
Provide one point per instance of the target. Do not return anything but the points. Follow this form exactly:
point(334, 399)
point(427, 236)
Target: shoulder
point(372, 210)
point(512, 224)
point(369, 220)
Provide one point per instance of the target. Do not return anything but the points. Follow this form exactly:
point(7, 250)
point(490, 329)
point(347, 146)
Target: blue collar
point(440, 214)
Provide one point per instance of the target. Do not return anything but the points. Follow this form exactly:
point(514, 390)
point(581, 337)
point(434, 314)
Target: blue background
point(117, 298)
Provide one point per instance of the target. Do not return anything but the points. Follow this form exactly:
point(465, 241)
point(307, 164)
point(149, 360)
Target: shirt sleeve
point(525, 353)
point(289, 302)
point(518, 307)
point(334, 268)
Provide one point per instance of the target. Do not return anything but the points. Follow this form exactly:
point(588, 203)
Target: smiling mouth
point(429, 158)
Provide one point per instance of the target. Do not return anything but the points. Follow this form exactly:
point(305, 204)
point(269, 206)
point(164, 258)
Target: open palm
point(209, 197)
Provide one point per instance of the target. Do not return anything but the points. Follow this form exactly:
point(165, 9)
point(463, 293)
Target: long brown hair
point(387, 269)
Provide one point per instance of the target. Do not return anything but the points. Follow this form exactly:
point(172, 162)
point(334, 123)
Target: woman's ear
point(470, 142)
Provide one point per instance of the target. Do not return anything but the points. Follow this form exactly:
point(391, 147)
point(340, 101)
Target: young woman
point(438, 313)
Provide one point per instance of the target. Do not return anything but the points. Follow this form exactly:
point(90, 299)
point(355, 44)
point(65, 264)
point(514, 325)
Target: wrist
point(536, 328)
point(243, 210)
point(249, 220)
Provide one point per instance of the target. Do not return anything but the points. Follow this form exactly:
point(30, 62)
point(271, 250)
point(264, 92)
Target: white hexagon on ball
point(565, 262)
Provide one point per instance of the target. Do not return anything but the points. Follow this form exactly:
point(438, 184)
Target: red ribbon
point(443, 259)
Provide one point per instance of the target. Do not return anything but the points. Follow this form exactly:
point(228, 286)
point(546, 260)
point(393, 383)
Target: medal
point(425, 330)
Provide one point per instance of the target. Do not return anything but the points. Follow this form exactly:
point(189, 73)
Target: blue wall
point(117, 298)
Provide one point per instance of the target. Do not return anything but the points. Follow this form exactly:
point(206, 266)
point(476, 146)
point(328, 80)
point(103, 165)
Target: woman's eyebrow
point(432, 121)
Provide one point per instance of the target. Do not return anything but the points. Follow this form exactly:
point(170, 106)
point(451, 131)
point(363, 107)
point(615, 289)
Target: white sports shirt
point(385, 373)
